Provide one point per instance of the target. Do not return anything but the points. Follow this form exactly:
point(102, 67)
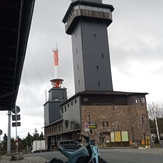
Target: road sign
point(14, 124)
point(16, 117)
point(92, 125)
point(86, 126)
point(16, 110)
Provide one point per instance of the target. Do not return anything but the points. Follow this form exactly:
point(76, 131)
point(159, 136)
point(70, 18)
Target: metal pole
point(0, 144)
point(9, 133)
point(16, 134)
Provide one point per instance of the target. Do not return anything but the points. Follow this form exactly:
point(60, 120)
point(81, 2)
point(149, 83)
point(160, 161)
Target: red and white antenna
point(56, 82)
point(56, 60)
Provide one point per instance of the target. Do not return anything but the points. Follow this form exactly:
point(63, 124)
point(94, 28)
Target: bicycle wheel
point(54, 160)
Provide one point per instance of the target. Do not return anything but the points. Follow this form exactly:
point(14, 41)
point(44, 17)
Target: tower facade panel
point(91, 56)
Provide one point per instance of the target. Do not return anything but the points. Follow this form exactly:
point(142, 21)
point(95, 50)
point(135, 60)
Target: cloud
point(135, 41)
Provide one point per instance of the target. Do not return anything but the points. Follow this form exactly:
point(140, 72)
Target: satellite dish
point(16, 110)
point(1, 132)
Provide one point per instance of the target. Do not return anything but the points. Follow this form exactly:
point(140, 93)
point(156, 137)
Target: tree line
point(24, 143)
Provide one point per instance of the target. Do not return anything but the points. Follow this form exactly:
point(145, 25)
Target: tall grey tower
point(87, 21)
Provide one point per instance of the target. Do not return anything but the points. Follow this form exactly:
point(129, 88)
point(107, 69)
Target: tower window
point(102, 55)
point(94, 35)
point(97, 67)
point(98, 84)
point(142, 119)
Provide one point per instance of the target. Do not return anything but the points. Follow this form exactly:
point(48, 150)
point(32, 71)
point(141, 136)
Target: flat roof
point(107, 93)
point(16, 17)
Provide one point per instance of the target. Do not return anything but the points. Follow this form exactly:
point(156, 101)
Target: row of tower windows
point(97, 67)
point(98, 83)
point(64, 109)
point(90, 8)
point(86, 8)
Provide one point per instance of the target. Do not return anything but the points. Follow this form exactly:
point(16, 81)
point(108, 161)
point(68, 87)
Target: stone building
point(111, 117)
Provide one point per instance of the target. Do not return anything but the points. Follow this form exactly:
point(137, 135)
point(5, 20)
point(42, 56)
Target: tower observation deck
point(87, 21)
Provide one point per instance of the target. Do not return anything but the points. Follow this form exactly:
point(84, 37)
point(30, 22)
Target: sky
point(135, 42)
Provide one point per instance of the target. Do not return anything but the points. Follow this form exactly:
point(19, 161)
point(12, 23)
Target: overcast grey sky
point(135, 41)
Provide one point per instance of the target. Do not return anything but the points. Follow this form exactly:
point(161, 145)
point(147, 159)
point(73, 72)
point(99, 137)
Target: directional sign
point(14, 124)
point(16, 117)
point(92, 125)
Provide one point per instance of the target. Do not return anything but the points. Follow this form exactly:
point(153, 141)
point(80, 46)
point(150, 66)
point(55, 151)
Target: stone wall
point(109, 118)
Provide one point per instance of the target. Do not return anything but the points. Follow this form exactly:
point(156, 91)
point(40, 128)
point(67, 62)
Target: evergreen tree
point(41, 137)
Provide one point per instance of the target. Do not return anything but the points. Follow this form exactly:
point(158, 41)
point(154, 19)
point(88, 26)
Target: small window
point(142, 119)
point(94, 35)
point(71, 103)
point(91, 132)
point(75, 101)
point(103, 124)
point(102, 56)
point(85, 99)
point(98, 84)
point(97, 67)
point(66, 142)
point(142, 100)
point(107, 124)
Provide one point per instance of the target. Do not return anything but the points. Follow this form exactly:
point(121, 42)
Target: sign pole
point(9, 133)
point(0, 139)
point(16, 134)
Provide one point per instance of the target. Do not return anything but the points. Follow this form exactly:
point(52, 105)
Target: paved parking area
point(36, 159)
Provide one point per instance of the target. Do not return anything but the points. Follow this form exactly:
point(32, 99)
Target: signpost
point(86, 127)
point(16, 118)
point(92, 125)
point(0, 138)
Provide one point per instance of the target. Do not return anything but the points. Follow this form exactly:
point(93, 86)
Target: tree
point(41, 137)
point(154, 113)
point(29, 139)
point(4, 143)
point(36, 134)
